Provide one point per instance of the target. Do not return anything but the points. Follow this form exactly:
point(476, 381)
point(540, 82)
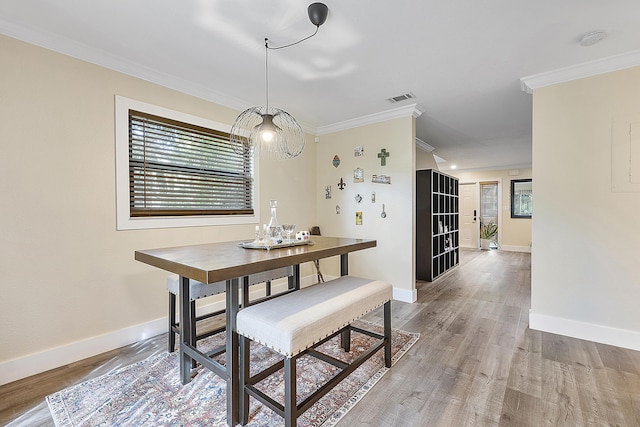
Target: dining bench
point(198, 290)
point(296, 324)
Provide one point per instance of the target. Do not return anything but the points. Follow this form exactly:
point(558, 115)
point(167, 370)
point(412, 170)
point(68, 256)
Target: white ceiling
point(463, 60)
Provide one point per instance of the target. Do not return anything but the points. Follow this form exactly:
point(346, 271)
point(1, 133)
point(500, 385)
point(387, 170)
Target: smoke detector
point(592, 38)
point(402, 97)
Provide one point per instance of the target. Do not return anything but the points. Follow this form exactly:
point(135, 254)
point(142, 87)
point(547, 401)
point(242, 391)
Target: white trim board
point(52, 358)
point(36, 363)
point(511, 248)
point(587, 69)
point(412, 110)
point(124, 221)
point(405, 295)
point(22, 367)
point(113, 62)
point(585, 331)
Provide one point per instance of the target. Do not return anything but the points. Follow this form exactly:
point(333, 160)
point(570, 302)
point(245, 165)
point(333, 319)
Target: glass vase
point(275, 231)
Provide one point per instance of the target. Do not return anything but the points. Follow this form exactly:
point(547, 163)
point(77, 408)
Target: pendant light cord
point(294, 43)
point(266, 60)
point(266, 72)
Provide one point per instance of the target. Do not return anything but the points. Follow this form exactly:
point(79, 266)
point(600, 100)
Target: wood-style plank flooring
point(476, 364)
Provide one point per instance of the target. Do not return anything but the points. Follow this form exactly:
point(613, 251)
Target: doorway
point(469, 207)
point(489, 208)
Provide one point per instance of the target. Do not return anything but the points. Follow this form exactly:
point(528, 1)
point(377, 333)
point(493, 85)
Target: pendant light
point(267, 131)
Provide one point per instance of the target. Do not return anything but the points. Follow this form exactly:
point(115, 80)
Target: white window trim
point(123, 219)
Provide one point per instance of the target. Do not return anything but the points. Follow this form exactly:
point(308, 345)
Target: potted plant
point(488, 232)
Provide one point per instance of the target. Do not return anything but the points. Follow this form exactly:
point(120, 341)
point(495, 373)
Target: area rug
point(149, 393)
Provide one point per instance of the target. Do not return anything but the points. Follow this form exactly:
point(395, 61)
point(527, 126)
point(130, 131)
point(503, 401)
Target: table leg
point(345, 336)
point(344, 264)
point(185, 330)
point(232, 355)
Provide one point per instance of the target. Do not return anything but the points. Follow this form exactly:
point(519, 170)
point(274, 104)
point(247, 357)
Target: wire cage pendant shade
point(267, 132)
point(270, 132)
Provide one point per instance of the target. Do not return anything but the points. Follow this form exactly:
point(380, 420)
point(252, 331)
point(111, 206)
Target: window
point(521, 198)
point(180, 169)
point(488, 202)
point(177, 170)
point(489, 213)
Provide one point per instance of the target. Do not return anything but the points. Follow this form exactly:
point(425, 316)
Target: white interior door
point(469, 211)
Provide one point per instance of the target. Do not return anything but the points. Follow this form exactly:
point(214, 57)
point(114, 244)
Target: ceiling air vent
point(399, 98)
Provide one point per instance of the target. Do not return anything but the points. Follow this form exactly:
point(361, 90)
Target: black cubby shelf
point(437, 224)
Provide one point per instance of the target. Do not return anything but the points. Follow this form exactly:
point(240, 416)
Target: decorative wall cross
point(382, 155)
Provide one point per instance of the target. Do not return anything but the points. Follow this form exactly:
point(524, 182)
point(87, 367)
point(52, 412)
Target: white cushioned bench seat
point(294, 322)
point(197, 289)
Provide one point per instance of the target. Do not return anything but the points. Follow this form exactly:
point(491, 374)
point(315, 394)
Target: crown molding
point(492, 168)
point(412, 110)
point(105, 59)
point(424, 146)
point(586, 69)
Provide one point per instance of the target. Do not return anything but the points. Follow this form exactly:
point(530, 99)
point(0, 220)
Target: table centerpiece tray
point(284, 244)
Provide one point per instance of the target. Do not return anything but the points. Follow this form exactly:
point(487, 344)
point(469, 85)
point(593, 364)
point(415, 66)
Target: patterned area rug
point(149, 393)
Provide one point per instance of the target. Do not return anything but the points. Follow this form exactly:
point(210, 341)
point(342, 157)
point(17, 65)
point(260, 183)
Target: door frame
point(501, 206)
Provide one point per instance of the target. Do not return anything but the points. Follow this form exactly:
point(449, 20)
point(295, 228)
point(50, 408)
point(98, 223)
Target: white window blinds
point(178, 169)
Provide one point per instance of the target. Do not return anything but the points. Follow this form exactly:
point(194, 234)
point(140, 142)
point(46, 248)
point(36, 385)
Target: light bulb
point(267, 131)
point(266, 135)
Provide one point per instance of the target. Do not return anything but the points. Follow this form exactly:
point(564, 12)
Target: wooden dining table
point(230, 262)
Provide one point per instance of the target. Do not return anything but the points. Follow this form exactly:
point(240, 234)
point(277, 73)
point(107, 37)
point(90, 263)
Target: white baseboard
point(36, 363)
point(509, 248)
point(405, 295)
point(15, 369)
point(586, 331)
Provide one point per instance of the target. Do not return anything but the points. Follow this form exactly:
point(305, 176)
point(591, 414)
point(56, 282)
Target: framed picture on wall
point(521, 198)
point(358, 175)
point(359, 218)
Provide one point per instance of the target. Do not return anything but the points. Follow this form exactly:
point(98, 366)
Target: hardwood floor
point(476, 363)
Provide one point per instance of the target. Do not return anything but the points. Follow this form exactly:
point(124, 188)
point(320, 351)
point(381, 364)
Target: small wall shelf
point(437, 224)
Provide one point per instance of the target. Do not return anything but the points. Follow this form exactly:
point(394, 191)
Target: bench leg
point(245, 357)
point(345, 339)
point(245, 292)
point(267, 288)
point(172, 323)
point(290, 404)
point(387, 334)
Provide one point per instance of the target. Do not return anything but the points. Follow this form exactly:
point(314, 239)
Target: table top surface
point(213, 262)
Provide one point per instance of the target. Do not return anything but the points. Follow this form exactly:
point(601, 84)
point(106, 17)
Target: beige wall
point(585, 262)
point(67, 275)
point(392, 260)
point(515, 233)
point(425, 160)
